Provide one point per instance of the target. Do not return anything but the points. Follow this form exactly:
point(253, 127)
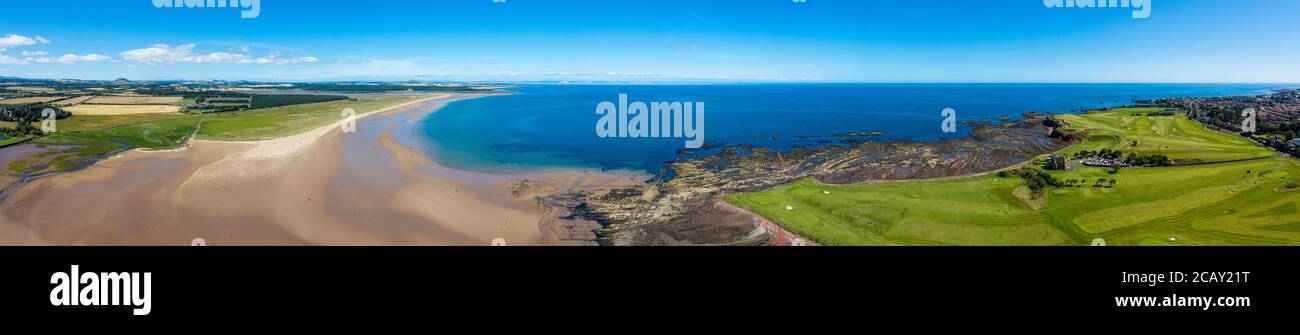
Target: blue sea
point(546, 126)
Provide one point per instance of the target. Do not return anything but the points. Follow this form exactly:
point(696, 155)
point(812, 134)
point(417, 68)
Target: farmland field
point(133, 100)
point(30, 89)
point(29, 100)
point(72, 101)
point(1250, 202)
point(88, 109)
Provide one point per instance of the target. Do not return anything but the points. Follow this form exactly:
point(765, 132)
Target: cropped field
point(88, 109)
point(133, 100)
point(29, 100)
point(72, 101)
point(1183, 140)
point(1251, 202)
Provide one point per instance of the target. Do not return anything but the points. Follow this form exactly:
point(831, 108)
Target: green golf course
point(1250, 199)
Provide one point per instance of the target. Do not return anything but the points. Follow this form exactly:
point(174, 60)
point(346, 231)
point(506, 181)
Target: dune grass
point(1238, 203)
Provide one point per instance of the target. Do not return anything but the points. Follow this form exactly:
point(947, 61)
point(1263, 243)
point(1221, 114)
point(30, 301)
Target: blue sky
point(657, 40)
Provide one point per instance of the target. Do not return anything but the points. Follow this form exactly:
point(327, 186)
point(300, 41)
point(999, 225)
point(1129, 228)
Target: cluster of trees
point(30, 113)
point(1037, 180)
point(1164, 113)
point(1106, 153)
point(25, 116)
point(1222, 117)
point(24, 128)
point(1134, 159)
point(1289, 130)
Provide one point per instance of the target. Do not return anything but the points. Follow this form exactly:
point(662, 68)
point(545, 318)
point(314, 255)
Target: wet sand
point(322, 187)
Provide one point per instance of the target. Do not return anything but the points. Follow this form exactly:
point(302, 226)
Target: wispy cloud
point(6, 59)
point(159, 54)
point(15, 40)
point(72, 58)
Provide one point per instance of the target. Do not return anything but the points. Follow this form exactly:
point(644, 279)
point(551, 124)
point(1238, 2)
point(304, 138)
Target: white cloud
point(42, 40)
point(277, 59)
point(159, 54)
point(34, 53)
point(14, 40)
point(71, 58)
point(6, 59)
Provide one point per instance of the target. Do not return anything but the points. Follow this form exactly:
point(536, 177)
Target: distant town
point(1278, 119)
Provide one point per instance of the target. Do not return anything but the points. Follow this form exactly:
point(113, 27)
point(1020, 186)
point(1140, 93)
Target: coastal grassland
point(13, 140)
point(1242, 203)
point(1251, 202)
point(69, 149)
point(1181, 139)
point(276, 122)
point(163, 133)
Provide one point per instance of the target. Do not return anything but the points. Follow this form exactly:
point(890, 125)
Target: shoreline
point(320, 187)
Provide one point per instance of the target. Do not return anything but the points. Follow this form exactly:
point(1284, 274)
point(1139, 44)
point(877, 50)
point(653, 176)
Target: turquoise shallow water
point(546, 126)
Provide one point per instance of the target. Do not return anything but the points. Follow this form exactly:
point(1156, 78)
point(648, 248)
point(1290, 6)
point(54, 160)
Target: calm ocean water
point(554, 126)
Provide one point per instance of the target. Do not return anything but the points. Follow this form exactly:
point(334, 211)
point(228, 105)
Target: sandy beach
point(321, 187)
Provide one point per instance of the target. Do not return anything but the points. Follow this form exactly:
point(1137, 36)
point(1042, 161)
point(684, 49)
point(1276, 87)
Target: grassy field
point(1182, 139)
point(1239, 203)
point(276, 122)
point(12, 140)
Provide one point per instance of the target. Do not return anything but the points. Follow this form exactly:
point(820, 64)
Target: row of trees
point(1100, 182)
point(24, 128)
